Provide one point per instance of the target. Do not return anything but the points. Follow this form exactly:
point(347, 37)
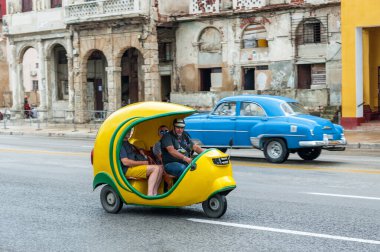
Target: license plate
point(330, 137)
point(334, 142)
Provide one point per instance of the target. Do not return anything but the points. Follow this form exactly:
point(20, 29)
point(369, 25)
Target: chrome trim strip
point(276, 135)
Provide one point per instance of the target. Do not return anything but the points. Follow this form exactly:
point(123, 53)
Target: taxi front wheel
point(215, 206)
point(110, 200)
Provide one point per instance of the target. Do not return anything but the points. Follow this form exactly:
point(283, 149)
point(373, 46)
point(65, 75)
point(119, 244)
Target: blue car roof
point(269, 102)
point(258, 98)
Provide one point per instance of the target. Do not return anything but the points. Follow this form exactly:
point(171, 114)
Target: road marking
point(305, 167)
point(285, 231)
point(344, 196)
point(60, 153)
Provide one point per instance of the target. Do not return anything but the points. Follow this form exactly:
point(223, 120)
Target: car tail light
point(92, 156)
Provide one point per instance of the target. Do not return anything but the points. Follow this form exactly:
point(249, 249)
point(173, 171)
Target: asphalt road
point(47, 204)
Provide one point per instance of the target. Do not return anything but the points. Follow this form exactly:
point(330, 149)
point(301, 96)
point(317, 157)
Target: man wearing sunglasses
point(162, 130)
point(177, 148)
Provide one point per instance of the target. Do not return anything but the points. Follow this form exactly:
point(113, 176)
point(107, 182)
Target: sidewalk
point(355, 139)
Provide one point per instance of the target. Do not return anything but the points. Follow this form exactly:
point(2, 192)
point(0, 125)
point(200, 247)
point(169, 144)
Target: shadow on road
point(187, 212)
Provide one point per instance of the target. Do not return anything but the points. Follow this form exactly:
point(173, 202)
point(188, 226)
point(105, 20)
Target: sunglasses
point(163, 132)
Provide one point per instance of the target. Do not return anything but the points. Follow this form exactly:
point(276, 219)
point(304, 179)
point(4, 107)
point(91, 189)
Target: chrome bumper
point(326, 143)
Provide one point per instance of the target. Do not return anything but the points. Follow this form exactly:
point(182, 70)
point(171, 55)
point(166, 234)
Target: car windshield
point(293, 108)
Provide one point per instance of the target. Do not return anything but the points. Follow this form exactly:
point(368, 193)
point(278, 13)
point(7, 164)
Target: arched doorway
point(97, 95)
point(60, 77)
point(30, 76)
point(132, 85)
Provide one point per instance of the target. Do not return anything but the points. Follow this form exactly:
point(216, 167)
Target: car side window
point(225, 109)
point(251, 109)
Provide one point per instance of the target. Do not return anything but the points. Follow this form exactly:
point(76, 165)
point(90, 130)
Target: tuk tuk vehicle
point(207, 180)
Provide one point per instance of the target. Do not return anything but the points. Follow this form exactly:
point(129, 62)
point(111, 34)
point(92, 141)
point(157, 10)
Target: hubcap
point(111, 199)
point(274, 149)
point(214, 204)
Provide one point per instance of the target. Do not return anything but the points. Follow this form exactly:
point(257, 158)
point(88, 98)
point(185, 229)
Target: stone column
point(70, 69)
point(114, 88)
point(42, 79)
point(151, 75)
point(14, 78)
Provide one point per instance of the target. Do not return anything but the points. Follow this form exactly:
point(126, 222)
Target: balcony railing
point(102, 8)
point(215, 6)
point(248, 4)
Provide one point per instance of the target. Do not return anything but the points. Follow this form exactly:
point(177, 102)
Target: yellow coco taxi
point(207, 180)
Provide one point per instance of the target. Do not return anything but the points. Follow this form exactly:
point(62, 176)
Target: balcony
point(104, 10)
point(216, 6)
point(34, 22)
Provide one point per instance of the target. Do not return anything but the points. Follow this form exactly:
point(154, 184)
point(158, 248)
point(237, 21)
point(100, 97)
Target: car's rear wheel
point(309, 153)
point(110, 200)
point(276, 151)
point(215, 206)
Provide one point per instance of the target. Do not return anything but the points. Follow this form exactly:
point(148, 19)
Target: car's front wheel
point(215, 206)
point(110, 200)
point(276, 151)
point(309, 153)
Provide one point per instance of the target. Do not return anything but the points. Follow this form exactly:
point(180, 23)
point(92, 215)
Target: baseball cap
point(179, 122)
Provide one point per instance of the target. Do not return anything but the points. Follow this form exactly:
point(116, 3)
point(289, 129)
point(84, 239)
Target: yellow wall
point(356, 13)
point(374, 47)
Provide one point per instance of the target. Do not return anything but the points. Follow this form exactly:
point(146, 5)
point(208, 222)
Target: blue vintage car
point(277, 125)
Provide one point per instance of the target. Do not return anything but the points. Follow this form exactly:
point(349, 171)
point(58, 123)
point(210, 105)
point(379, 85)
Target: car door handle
point(233, 118)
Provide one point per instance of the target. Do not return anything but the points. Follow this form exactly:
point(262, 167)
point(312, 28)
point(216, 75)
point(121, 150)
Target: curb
point(367, 146)
point(72, 135)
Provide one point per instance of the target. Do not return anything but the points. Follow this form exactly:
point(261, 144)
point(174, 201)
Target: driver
point(177, 148)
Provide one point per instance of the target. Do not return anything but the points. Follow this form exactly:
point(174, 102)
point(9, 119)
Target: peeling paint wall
point(280, 57)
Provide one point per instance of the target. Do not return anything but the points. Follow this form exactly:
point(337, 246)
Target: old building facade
point(5, 94)
point(94, 56)
point(289, 48)
point(86, 65)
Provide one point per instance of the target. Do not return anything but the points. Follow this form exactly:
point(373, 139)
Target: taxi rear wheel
point(215, 206)
point(276, 151)
point(110, 200)
point(309, 153)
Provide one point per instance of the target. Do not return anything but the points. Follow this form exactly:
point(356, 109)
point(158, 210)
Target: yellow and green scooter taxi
point(207, 180)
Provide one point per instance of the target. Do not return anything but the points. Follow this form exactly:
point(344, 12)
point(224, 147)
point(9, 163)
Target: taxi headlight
point(221, 160)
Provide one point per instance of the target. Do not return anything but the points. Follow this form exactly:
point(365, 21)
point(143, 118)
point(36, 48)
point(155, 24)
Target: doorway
point(249, 78)
point(165, 88)
point(131, 85)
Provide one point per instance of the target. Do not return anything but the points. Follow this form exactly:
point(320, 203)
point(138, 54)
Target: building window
point(55, 3)
point(165, 52)
point(312, 30)
point(27, 5)
point(35, 86)
point(210, 77)
point(311, 74)
point(254, 36)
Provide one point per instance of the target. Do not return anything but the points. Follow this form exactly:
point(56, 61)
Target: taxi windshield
point(293, 108)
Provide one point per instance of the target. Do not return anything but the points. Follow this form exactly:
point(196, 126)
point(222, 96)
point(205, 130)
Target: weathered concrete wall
point(5, 96)
point(173, 7)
